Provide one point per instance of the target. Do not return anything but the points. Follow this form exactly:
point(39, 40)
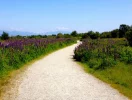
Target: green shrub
point(12, 59)
point(95, 63)
point(108, 62)
point(126, 54)
point(4, 36)
point(86, 56)
point(103, 53)
point(129, 37)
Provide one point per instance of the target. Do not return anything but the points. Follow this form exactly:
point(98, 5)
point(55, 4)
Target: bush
point(21, 51)
point(108, 62)
point(126, 54)
point(59, 35)
point(4, 36)
point(129, 37)
point(95, 63)
point(103, 53)
point(74, 33)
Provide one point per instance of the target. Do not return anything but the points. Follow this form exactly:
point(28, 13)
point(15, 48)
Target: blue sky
point(67, 15)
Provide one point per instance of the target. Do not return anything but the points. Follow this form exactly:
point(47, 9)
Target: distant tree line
point(124, 31)
point(116, 33)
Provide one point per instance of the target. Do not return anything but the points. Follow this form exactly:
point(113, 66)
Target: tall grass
point(108, 59)
point(15, 53)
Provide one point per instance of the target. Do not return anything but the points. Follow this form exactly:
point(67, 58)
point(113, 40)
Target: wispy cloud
point(62, 29)
point(16, 29)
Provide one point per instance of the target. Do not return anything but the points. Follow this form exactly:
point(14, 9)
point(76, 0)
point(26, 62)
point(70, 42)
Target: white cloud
point(62, 29)
point(15, 29)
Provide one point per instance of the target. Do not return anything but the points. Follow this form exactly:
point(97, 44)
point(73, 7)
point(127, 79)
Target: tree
point(131, 27)
point(85, 36)
point(74, 33)
point(115, 33)
point(67, 36)
point(123, 29)
point(90, 33)
point(95, 35)
point(105, 35)
point(45, 36)
point(53, 35)
point(4, 36)
point(59, 35)
point(129, 36)
point(19, 36)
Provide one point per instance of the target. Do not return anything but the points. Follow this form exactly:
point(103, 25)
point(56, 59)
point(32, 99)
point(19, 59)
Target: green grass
point(13, 60)
point(8, 74)
point(119, 77)
point(110, 60)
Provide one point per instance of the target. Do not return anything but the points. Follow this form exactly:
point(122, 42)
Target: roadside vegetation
point(18, 50)
point(108, 56)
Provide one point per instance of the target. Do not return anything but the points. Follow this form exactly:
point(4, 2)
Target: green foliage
point(74, 33)
point(129, 37)
point(12, 59)
point(4, 36)
point(54, 35)
point(123, 29)
point(105, 35)
point(103, 53)
point(91, 34)
point(59, 35)
point(115, 33)
point(119, 76)
point(109, 60)
point(85, 36)
point(95, 63)
point(126, 54)
point(121, 32)
point(37, 36)
point(67, 36)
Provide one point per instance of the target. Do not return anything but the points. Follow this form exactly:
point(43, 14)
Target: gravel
point(59, 77)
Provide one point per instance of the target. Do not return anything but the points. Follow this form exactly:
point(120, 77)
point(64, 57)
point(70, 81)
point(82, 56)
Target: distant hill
point(56, 32)
point(14, 33)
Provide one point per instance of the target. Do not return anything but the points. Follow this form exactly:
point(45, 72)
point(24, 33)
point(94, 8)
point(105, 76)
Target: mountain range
point(22, 33)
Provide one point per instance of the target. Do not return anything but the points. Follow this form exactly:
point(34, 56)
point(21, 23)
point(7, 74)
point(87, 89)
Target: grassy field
point(9, 75)
point(16, 53)
point(108, 60)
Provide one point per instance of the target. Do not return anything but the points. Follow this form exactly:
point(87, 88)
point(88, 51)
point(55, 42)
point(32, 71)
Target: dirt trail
point(58, 77)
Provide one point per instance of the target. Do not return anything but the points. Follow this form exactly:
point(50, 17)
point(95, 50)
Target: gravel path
point(58, 77)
